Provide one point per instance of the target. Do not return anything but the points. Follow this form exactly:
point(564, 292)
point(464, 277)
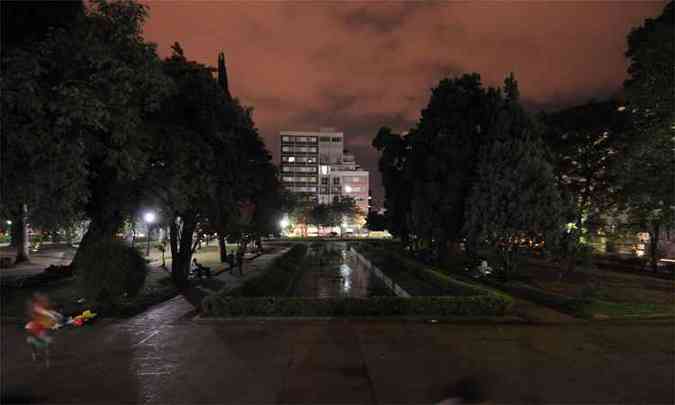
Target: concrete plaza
point(166, 356)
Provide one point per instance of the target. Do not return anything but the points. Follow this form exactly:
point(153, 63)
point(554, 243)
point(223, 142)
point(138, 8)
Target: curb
point(501, 320)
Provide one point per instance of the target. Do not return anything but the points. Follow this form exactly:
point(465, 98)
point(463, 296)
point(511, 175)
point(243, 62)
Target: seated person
point(201, 270)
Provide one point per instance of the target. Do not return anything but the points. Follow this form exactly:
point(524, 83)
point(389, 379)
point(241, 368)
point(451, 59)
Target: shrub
point(62, 271)
point(553, 300)
point(278, 279)
point(486, 305)
point(448, 284)
point(109, 270)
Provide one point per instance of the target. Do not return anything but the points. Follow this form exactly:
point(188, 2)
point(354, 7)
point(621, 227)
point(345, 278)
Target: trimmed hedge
point(278, 279)
point(556, 301)
point(485, 305)
point(449, 285)
point(473, 301)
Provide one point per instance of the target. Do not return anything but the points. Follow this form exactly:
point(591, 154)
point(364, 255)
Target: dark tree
point(442, 161)
point(394, 151)
point(376, 221)
point(646, 178)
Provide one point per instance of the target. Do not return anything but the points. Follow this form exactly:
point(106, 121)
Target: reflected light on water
point(346, 273)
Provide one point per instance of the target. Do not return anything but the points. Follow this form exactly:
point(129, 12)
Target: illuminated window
point(324, 169)
point(291, 158)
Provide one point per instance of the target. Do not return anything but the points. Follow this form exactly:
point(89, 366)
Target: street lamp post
point(149, 218)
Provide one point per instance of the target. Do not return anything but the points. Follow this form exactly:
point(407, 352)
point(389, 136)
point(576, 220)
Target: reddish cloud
point(358, 66)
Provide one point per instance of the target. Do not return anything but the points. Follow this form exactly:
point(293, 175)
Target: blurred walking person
point(42, 320)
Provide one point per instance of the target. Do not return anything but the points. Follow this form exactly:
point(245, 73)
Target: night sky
point(359, 66)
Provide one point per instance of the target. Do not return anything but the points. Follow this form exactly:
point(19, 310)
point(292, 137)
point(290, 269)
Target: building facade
point(315, 167)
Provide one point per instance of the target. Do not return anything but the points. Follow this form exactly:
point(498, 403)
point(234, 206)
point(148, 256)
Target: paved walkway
point(226, 278)
point(164, 356)
point(48, 255)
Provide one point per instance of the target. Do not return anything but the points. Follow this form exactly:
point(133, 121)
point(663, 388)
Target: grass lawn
point(611, 294)
point(158, 287)
point(600, 308)
point(608, 293)
point(63, 295)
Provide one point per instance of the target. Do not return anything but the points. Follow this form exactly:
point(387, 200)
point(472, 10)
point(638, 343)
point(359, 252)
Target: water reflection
point(335, 272)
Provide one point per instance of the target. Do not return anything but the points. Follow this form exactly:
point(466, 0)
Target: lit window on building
point(291, 158)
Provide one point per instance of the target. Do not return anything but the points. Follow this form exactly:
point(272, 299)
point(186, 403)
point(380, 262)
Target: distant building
point(315, 166)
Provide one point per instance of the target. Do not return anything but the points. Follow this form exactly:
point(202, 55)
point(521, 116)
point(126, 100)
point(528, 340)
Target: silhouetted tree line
point(479, 171)
point(97, 127)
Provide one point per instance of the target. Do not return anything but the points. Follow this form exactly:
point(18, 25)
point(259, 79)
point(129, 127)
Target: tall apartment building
point(315, 166)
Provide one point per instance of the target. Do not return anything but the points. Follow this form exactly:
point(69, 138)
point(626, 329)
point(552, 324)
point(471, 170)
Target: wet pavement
point(164, 356)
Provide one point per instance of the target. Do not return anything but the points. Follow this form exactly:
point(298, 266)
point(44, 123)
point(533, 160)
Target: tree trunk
point(240, 255)
point(181, 250)
point(654, 247)
point(222, 247)
point(21, 232)
point(13, 233)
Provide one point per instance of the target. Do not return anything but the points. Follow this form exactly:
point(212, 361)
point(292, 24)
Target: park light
point(348, 188)
point(622, 108)
point(149, 217)
point(8, 222)
point(284, 223)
